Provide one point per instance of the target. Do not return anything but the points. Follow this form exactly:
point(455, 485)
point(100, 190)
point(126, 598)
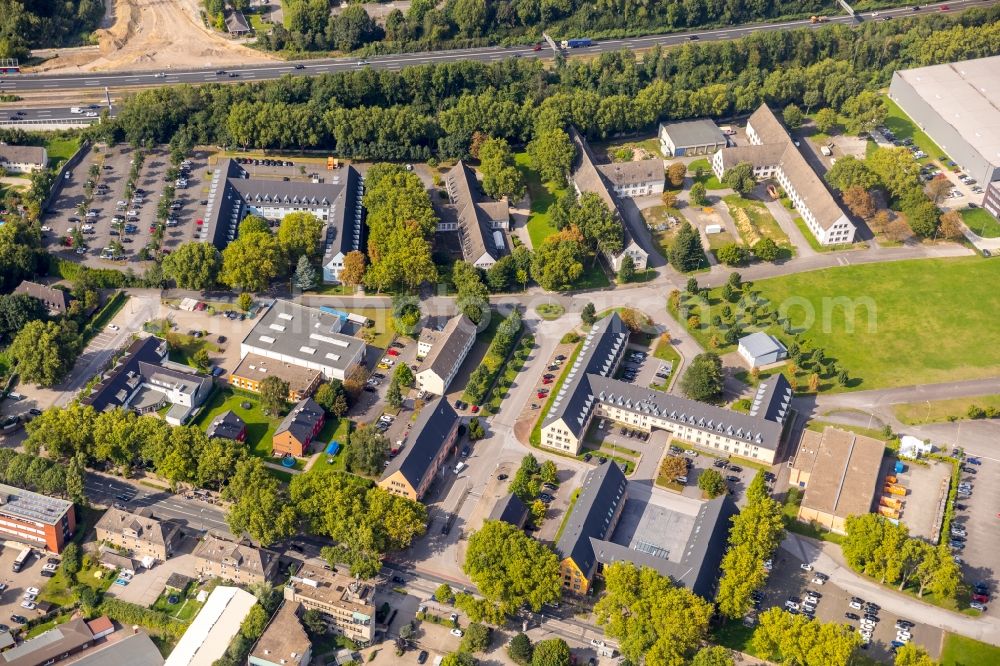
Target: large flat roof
point(26, 505)
point(966, 95)
point(218, 621)
point(843, 471)
point(308, 335)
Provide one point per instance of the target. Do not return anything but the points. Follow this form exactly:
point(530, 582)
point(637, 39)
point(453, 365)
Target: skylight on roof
point(307, 350)
point(267, 338)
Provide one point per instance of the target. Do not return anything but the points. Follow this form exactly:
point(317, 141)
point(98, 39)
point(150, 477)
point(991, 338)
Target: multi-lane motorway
point(22, 83)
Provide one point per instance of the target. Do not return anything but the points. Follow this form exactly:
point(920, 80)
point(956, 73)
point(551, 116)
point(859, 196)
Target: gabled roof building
point(443, 359)
point(610, 181)
point(481, 221)
point(55, 300)
point(588, 390)
point(140, 533)
point(238, 561)
point(773, 154)
point(298, 429)
point(284, 641)
point(23, 159)
point(432, 439)
point(227, 425)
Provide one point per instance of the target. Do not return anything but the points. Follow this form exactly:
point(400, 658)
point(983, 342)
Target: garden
point(707, 177)
point(754, 222)
point(980, 222)
point(260, 428)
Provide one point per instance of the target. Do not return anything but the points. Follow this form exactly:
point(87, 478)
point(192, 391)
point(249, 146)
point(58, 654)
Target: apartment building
point(480, 221)
point(432, 440)
point(37, 520)
point(445, 355)
point(346, 602)
point(240, 562)
point(284, 641)
point(141, 533)
point(298, 429)
point(23, 159)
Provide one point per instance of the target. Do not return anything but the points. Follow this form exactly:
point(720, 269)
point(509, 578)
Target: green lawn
point(45, 626)
point(666, 352)
point(763, 224)
point(333, 430)
point(550, 311)
point(938, 411)
point(58, 589)
point(981, 222)
point(735, 636)
point(543, 195)
point(814, 244)
point(708, 178)
point(962, 651)
point(61, 148)
point(260, 428)
point(183, 347)
point(904, 128)
point(914, 322)
point(382, 317)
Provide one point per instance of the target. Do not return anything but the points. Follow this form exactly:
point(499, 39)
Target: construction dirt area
point(153, 35)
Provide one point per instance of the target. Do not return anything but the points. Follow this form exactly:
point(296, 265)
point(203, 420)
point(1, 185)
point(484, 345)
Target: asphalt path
point(97, 80)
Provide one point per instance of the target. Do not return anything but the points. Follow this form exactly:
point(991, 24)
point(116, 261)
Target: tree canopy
point(703, 378)
point(193, 265)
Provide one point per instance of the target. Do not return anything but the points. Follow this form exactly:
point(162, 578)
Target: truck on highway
point(576, 43)
point(817, 19)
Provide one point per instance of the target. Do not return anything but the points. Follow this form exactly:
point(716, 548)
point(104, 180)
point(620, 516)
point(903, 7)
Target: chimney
point(135, 629)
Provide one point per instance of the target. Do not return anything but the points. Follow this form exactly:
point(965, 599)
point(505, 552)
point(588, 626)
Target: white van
point(76, 109)
point(459, 467)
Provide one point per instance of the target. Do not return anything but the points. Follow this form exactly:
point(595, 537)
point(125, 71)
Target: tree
point(766, 249)
point(740, 178)
point(16, 310)
point(923, 218)
point(193, 265)
point(472, 297)
point(558, 261)
point(405, 315)
point(938, 188)
point(252, 224)
point(669, 199)
point(476, 430)
point(201, 359)
point(496, 162)
point(911, 654)
point(673, 467)
point(713, 655)
point(44, 352)
point(552, 154)
point(273, 395)
point(511, 569)
point(898, 230)
point(732, 254)
point(251, 261)
point(895, 169)
point(795, 639)
point(306, 278)
point(793, 116)
point(403, 375)
point(443, 594)
point(860, 202)
point(686, 253)
point(849, 172)
point(71, 559)
point(354, 268)
point(703, 378)
point(458, 659)
point(825, 120)
point(259, 507)
point(254, 623)
point(652, 619)
point(469, 16)
point(520, 649)
point(550, 652)
point(477, 638)
point(711, 483)
point(699, 195)
point(676, 172)
point(627, 272)
point(601, 231)
point(589, 314)
point(314, 622)
point(332, 397)
point(951, 225)
point(864, 112)
point(352, 29)
point(299, 236)
point(548, 472)
point(394, 396)
point(244, 301)
point(367, 452)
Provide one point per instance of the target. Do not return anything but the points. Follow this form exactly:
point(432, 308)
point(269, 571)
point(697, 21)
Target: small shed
point(911, 447)
point(101, 626)
point(759, 349)
point(178, 582)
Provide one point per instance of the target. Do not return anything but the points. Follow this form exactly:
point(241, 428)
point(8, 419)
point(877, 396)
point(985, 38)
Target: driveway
point(148, 584)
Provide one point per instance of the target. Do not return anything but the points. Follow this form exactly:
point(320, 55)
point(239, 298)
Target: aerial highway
point(97, 81)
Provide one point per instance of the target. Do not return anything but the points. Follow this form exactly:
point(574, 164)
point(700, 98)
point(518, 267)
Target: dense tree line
point(795, 639)
point(436, 109)
point(42, 475)
point(757, 530)
point(27, 24)
point(503, 342)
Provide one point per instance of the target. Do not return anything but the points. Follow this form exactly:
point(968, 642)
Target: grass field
point(937, 411)
point(763, 223)
point(543, 195)
point(962, 651)
point(980, 222)
point(708, 178)
point(61, 148)
point(914, 322)
point(903, 128)
point(260, 428)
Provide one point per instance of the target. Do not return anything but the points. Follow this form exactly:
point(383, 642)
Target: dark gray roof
point(761, 343)
point(754, 429)
point(772, 399)
point(301, 420)
point(603, 492)
point(135, 650)
point(25, 505)
point(698, 568)
point(450, 348)
point(598, 355)
point(54, 299)
point(474, 213)
point(429, 434)
point(700, 132)
point(123, 379)
point(227, 425)
point(236, 21)
point(510, 509)
point(345, 228)
point(49, 645)
point(189, 381)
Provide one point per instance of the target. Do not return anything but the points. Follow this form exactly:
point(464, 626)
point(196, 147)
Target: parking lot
point(789, 582)
point(18, 583)
point(977, 515)
point(113, 167)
